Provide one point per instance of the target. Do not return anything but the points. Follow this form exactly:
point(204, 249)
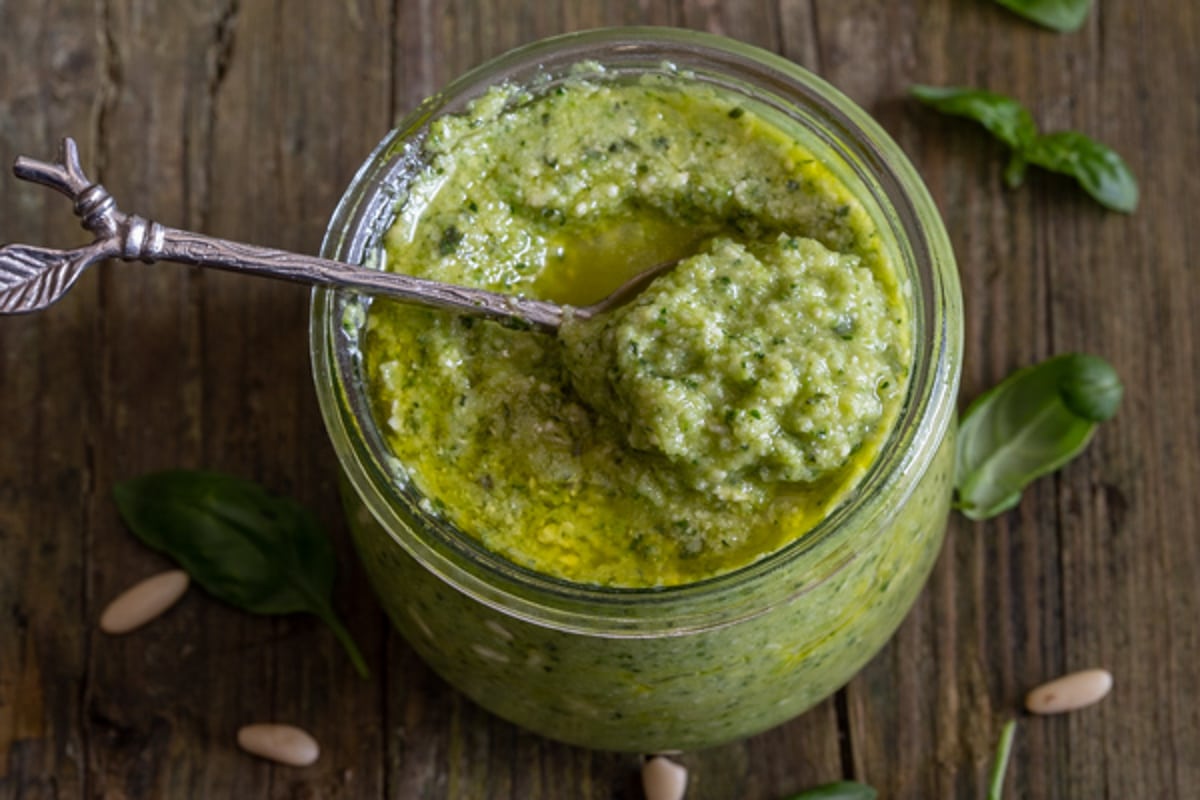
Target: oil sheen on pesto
point(719, 416)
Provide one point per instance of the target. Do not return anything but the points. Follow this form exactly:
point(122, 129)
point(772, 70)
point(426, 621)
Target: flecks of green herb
point(842, 790)
point(515, 324)
point(1063, 16)
point(1098, 169)
point(1000, 765)
point(262, 553)
point(451, 237)
point(1032, 423)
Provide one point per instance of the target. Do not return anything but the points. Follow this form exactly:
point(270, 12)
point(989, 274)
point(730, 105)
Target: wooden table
point(247, 119)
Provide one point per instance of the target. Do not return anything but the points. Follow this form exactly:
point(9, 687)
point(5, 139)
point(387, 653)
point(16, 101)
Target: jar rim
point(459, 558)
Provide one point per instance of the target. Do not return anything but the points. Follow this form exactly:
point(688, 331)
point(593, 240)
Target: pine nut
point(286, 744)
point(663, 779)
point(143, 601)
point(1070, 692)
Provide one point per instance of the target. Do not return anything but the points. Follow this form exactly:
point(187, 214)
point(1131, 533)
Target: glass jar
point(688, 666)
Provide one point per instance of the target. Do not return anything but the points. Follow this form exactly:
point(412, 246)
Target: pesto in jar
point(719, 416)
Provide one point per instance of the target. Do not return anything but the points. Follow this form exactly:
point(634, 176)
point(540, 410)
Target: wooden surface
point(246, 119)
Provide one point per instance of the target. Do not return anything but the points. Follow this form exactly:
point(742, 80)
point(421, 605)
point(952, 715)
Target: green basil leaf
point(1004, 117)
point(842, 790)
point(1099, 170)
point(1063, 16)
point(256, 551)
point(1032, 423)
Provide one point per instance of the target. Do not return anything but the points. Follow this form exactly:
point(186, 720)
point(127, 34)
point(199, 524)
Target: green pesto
point(746, 366)
point(567, 194)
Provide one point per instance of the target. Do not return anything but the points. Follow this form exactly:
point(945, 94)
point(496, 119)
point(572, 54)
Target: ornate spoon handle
point(32, 278)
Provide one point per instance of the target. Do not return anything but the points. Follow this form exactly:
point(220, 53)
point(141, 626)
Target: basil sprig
point(1063, 16)
point(1032, 423)
point(842, 790)
point(259, 552)
point(1098, 169)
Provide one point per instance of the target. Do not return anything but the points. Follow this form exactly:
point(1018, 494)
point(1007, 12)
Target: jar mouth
point(876, 165)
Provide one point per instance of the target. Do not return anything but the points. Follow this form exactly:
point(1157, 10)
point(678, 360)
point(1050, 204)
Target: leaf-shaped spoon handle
point(32, 278)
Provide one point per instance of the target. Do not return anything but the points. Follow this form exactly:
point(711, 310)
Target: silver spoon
point(31, 278)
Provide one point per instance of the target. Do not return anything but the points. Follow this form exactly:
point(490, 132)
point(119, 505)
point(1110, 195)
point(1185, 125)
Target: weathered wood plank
point(165, 731)
point(47, 82)
point(1130, 556)
point(211, 371)
point(326, 68)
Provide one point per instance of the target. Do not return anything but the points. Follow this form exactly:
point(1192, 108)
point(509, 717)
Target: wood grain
point(247, 118)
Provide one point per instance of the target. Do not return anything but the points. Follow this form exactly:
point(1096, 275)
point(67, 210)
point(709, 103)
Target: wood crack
point(219, 58)
point(841, 702)
point(818, 56)
point(111, 78)
point(221, 51)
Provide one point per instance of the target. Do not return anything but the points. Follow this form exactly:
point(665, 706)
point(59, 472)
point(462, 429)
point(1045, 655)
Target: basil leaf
point(1004, 117)
point(256, 551)
point(1099, 170)
point(1032, 423)
point(1063, 16)
point(842, 790)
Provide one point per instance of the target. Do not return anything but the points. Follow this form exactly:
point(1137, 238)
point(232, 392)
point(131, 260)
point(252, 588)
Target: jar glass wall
point(685, 666)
